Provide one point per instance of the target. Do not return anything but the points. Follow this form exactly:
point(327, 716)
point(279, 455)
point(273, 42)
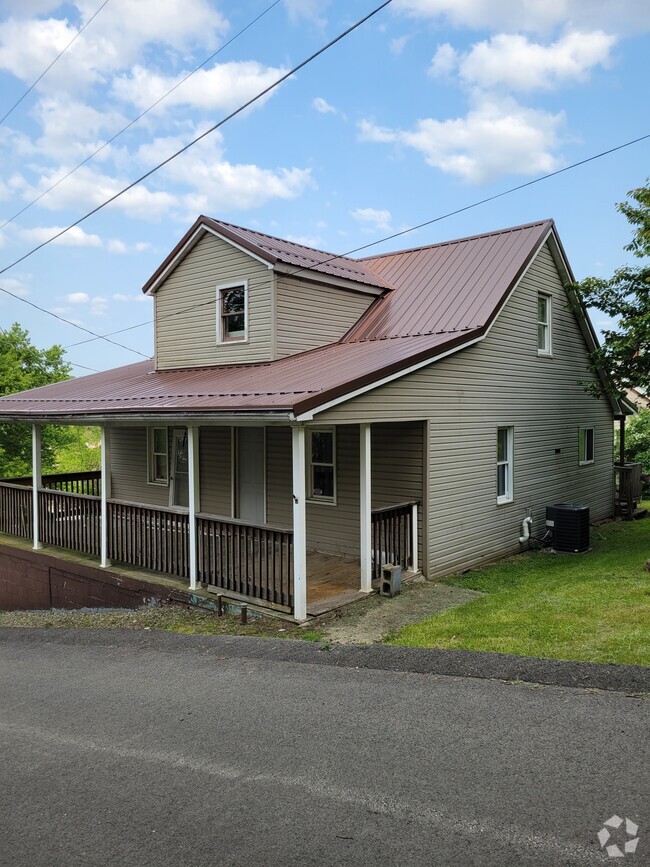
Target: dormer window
point(232, 312)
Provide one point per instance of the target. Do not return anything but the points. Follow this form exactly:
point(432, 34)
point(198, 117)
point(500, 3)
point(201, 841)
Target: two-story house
point(307, 417)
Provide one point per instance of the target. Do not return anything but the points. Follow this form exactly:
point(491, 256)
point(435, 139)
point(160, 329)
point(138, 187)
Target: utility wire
point(203, 135)
point(139, 180)
point(45, 71)
point(139, 117)
point(398, 234)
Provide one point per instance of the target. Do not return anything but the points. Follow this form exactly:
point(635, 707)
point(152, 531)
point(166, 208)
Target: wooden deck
point(332, 581)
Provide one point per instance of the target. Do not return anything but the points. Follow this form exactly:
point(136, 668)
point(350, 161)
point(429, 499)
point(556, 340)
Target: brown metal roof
point(276, 250)
point(450, 286)
point(445, 296)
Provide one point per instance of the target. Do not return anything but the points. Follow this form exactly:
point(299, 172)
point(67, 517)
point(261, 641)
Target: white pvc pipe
point(525, 529)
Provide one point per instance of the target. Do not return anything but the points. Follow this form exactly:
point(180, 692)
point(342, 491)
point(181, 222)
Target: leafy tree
point(637, 439)
point(24, 366)
point(625, 297)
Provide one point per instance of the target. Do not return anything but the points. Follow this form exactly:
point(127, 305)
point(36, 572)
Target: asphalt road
point(115, 752)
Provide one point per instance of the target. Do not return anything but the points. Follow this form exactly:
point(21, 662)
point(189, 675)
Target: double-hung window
point(232, 312)
point(544, 346)
point(505, 444)
point(586, 445)
point(157, 456)
point(322, 465)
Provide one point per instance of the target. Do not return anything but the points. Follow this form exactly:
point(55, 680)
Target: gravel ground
point(373, 619)
point(166, 619)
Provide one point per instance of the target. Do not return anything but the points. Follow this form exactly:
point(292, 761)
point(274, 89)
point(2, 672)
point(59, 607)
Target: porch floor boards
point(332, 581)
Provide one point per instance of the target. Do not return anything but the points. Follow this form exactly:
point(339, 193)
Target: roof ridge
point(549, 221)
point(235, 227)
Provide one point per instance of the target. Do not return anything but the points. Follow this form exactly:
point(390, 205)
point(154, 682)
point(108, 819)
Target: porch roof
point(445, 296)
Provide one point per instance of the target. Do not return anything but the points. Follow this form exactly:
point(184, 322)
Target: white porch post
point(299, 524)
point(193, 500)
point(414, 536)
point(365, 508)
point(37, 481)
point(105, 491)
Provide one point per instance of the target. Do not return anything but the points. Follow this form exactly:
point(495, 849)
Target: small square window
point(543, 324)
point(322, 466)
point(232, 313)
point(586, 445)
point(157, 456)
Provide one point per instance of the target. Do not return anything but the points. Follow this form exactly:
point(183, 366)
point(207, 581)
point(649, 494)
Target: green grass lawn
point(593, 607)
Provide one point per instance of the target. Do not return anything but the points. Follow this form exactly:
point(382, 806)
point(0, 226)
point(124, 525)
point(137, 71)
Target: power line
point(397, 234)
point(59, 55)
point(186, 147)
point(139, 117)
point(70, 322)
point(198, 138)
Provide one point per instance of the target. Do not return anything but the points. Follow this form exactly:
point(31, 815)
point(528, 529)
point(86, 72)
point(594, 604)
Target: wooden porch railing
point(392, 536)
point(69, 520)
point(249, 560)
point(149, 537)
point(74, 483)
point(16, 513)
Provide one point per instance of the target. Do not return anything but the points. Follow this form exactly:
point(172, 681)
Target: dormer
point(229, 295)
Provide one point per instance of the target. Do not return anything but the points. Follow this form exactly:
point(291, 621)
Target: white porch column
point(105, 491)
point(37, 481)
point(365, 508)
point(299, 524)
point(193, 500)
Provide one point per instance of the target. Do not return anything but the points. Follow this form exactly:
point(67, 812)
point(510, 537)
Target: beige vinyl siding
point(498, 382)
point(129, 468)
point(397, 473)
point(311, 315)
point(215, 470)
point(189, 339)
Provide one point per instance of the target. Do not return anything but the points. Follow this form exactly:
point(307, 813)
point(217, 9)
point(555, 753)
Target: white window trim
point(583, 436)
point(150, 456)
point(509, 463)
point(548, 352)
point(324, 501)
point(224, 287)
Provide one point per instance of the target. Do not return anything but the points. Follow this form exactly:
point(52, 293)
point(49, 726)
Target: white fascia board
point(163, 419)
point(308, 416)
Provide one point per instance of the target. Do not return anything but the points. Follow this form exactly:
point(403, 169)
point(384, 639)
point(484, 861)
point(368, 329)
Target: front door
point(251, 475)
point(180, 471)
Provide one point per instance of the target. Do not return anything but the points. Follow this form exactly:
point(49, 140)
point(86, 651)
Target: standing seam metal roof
point(445, 296)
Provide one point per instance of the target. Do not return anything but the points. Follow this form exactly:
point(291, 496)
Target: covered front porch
point(258, 561)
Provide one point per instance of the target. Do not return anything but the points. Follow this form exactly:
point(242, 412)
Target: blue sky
point(430, 106)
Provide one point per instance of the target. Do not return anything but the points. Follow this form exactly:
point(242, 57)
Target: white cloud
point(305, 240)
point(513, 62)
point(495, 138)
point(121, 298)
point(75, 237)
point(28, 46)
point(77, 298)
point(312, 10)
point(321, 105)
point(115, 245)
point(398, 44)
point(96, 304)
point(225, 86)
point(444, 61)
point(16, 285)
point(373, 219)
point(537, 16)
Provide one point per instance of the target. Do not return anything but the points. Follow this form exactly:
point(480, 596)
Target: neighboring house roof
point(446, 296)
point(272, 251)
point(637, 397)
